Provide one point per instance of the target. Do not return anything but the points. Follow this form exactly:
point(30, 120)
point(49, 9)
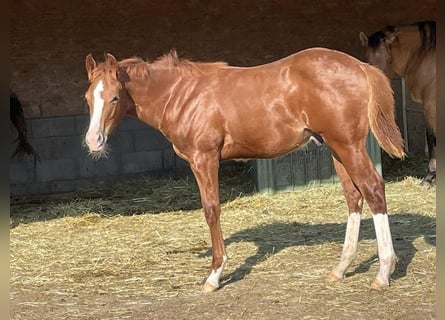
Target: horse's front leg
point(205, 168)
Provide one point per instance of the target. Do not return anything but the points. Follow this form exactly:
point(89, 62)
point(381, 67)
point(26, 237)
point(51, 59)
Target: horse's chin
point(98, 154)
point(97, 151)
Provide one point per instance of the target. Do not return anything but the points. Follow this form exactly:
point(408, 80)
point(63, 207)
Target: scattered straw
point(144, 247)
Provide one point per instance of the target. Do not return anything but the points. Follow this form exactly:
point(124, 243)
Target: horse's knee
point(211, 213)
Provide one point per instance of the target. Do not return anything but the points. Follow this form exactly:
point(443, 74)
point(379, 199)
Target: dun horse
point(410, 52)
point(212, 112)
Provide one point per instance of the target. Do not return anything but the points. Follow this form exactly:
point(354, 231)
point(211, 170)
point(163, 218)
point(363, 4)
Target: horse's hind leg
point(372, 187)
point(354, 201)
point(430, 179)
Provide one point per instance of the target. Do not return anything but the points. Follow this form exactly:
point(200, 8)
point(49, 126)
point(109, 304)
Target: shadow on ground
point(272, 238)
point(141, 195)
point(153, 195)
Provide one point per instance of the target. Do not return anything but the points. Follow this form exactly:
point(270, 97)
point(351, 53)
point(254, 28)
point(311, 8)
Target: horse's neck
point(404, 50)
point(413, 64)
point(150, 95)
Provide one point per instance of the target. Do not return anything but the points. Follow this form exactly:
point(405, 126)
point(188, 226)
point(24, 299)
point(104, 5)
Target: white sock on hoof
point(214, 277)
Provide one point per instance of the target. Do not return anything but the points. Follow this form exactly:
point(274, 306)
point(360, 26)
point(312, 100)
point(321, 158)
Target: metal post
point(405, 125)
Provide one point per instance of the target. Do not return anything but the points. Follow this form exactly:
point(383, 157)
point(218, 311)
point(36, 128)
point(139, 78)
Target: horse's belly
point(263, 147)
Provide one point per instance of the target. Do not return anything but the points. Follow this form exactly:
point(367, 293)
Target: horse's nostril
point(95, 141)
point(100, 139)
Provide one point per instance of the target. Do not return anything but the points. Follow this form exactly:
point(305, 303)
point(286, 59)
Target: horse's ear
point(90, 64)
point(363, 39)
point(391, 36)
point(110, 59)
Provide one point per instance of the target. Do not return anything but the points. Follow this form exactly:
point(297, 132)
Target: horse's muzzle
point(95, 141)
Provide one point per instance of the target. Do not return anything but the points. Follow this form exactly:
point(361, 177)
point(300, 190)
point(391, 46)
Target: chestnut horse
point(410, 52)
point(212, 112)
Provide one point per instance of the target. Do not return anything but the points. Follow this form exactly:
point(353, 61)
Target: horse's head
point(107, 101)
point(378, 48)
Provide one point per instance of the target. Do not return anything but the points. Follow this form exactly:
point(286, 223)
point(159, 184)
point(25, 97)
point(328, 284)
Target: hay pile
point(112, 252)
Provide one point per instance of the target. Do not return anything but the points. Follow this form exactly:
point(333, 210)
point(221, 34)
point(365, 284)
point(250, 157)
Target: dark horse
point(410, 52)
point(18, 120)
point(212, 112)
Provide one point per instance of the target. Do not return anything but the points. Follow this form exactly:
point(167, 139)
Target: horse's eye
point(115, 100)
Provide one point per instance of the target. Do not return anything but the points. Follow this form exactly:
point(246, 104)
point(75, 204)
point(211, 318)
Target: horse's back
point(278, 106)
point(332, 85)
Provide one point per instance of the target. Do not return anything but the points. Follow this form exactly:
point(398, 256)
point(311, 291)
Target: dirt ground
point(141, 251)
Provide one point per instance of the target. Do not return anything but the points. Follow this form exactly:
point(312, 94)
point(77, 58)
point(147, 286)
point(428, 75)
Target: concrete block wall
point(66, 166)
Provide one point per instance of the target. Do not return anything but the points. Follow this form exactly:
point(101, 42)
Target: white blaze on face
point(97, 107)
point(93, 139)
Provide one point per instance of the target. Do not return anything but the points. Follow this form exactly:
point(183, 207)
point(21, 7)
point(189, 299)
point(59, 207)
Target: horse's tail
point(381, 112)
point(23, 147)
point(18, 120)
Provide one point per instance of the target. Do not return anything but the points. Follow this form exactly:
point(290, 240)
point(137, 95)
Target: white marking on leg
point(350, 245)
point(214, 277)
point(387, 256)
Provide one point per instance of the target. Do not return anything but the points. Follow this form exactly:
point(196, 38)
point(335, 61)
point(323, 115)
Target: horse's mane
point(375, 38)
point(104, 68)
point(427, 31)
point(170, 61)
point(135, 66)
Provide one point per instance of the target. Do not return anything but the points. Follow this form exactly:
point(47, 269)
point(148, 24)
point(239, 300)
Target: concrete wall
point(65, 165)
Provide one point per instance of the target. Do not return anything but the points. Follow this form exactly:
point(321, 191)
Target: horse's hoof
point(428, 184)
point(379, 285)
point(332, 277)
point(209, 287)
point(429, 181)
